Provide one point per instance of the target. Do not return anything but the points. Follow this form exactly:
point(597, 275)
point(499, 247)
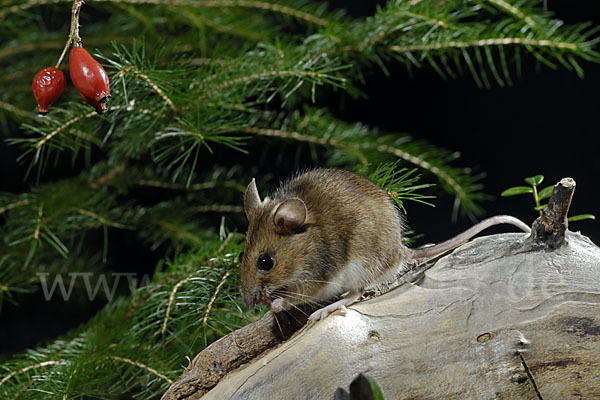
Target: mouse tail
point(468, 234)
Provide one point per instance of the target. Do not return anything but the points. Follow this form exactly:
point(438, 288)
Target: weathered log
point(486, 321)
point(494, 319)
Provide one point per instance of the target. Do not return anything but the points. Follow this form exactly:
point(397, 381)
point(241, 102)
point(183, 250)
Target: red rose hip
point(88, 76)
point(48, 85)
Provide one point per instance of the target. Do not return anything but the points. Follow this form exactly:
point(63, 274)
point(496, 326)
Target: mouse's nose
point(251, 296)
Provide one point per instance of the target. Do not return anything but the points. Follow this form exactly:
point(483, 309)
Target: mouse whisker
point(278, 324)
point(298, 296)
point(287, 294)
point(326, 282)
point(299, 310)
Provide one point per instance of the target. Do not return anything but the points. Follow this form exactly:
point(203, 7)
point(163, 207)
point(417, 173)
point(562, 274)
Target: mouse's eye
point(264, 262)
point(240, 257)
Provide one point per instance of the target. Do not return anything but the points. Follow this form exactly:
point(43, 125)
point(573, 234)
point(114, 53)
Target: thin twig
point(66, 394)
point(196, 186)
point(109, 176)
point(62, 127)
point(55, 44)
point(154, 87)
point(381, 148)
point(513, 10)
point(304, 138)
point(27, 368)
point(36, 233)
point(438, 22)
point(73, 32)
point(219, 208)
point(171, 300)
point(225, 242)
point(261, 75)
point(177, 231)
point(214, 296)
point(14, 205)
point(483, 43)
point(143, 366)
point(100, 218)
point(21, 113)
point(201, 21)
point(178, 285)
point(70, 122)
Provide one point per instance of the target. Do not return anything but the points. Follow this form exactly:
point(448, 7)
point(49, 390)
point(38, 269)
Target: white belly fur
point(352, 276)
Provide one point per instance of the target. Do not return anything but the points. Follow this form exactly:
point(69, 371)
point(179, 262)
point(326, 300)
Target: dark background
point(545, 123)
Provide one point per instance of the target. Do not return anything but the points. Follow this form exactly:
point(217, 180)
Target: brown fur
point(348, 219)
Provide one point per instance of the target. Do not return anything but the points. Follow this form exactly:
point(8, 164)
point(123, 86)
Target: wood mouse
point(324, 233)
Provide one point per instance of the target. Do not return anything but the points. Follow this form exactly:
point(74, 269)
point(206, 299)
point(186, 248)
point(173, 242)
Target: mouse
point(328, 232)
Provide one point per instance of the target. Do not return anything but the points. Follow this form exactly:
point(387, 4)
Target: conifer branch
point(419, 162)
point(261, 5)
point(224, 89)
point(432, 163)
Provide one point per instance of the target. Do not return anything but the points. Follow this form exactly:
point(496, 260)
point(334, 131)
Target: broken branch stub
point(549, 229)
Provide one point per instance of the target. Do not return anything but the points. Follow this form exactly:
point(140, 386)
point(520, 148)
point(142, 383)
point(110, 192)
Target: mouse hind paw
point(339, 305)
point(324, 312)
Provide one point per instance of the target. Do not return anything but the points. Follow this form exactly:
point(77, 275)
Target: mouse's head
point(279, 262)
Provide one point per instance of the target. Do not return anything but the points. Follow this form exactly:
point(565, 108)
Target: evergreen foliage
point(208, 82)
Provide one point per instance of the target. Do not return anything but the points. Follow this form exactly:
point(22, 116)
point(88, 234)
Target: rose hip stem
point(74, 31)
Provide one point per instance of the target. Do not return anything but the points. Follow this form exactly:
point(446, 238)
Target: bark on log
point(235, 349)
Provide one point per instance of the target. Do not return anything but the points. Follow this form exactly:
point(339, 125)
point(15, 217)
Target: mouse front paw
point(324, 312)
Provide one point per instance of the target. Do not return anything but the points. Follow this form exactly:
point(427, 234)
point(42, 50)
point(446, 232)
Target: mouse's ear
point(251, 199)
point(290, 216)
